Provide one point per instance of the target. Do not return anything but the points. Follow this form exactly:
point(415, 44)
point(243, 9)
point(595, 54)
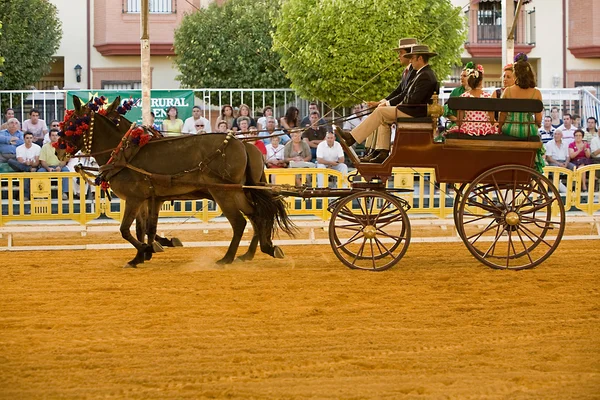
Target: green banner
point(161, 100)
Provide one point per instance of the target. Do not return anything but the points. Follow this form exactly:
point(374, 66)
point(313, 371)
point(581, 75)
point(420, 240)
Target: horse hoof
point(176, 242)
point(157, 248)
point(245, 257)
point(277, 252)
point(130, 265)
point(224, 261)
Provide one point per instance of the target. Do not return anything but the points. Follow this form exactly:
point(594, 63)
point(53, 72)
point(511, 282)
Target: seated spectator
point(262, 121)
point(568, 129)
point(579, 151)
point(54, 124)
point(330, 155)
point(577, 121)
point(297, 154)
point(556, 120)
point(36, 126)
point(271, 130)
point(189, 126)
point(227, 116)
point(199, 127)
point(306, 121)
point(51, 163)
point(154, 125)
point(253, 133)
point(315, 134)
point(89, 191)
point(222, 127)
point(546, 132)
point(10, 113)
point(595, 150)
point(477, 123)
point(10, 139)
point(290, 120)
point(172, 125)
point(591, 130)
point(244, 111)
point(244, 127)
point(275, 154)
point(27, 155)
point(557, 152)
point(355, 118)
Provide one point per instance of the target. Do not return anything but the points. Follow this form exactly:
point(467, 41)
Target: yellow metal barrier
point(587, 200)
point(431, 197)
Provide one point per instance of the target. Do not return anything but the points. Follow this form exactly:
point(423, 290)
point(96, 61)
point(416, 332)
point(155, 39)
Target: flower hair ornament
point(469, 66)
point(475, 71)
point(521, 57)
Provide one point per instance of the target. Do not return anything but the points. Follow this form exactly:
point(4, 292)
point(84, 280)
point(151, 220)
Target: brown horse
point(212, 166)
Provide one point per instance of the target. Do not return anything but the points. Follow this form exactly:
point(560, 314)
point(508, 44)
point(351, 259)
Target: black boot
point(345, 136)
point(381, 157)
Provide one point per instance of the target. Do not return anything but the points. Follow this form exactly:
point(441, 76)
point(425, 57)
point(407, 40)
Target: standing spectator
point(226, 115)
point(244, 111)
point(54, 124)
point(290, 120)
point(275, 156)
point(10, 139)
point(10, 113)
point(591, 130)
point(270, 130)
point(577, 121)
point(222, 127)
point(36, 126)
point(330, 155)
point(27, 155)
point(189, 125)
point(315, 134)
point(262, 121)
point(546, 132)
point(51, 163)
point(557, 152)
point(355, 119)
point(172, 125)
point(568, 129)
point(556, 120)
point(306, 121)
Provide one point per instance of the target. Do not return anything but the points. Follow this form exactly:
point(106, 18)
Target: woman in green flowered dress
point(523, 124)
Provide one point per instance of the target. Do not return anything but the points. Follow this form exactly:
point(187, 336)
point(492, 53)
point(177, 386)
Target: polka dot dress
point(480, 126)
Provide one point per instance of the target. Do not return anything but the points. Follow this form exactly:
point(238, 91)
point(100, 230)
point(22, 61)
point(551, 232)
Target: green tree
point(330, 49)
point(1, 58)
point(229, 46)
point(31, 35)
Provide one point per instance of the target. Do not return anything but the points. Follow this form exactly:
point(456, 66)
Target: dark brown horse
point(197, 166)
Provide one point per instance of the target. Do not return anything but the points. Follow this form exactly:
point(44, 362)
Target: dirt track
point(439, 325)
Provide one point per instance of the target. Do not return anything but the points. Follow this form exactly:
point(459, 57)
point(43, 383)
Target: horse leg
point(249, 255)
point(131, 210)
point(152, 224)
point(228, 204)
point(140, 223)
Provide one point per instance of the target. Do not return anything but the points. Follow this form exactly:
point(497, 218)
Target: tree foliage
point(31, 34)
point(229, 46)
point(330, 49)
point(1, 58)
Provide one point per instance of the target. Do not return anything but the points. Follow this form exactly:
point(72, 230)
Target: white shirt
point(352, 122)
point(595, 145)
point(274, 153)
point(262, 123)
point(568, 134)
point(329, 153)
point(37, 129)
point(558, 153)
point(189, 125)
point(28, 154)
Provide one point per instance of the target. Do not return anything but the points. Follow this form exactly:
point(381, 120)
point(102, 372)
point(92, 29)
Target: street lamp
point(78, 69)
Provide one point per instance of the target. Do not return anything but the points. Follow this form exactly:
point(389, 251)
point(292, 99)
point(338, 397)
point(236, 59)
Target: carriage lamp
point(78, 69)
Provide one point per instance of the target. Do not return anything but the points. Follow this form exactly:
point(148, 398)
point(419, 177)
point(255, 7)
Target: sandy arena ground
point(438, 325)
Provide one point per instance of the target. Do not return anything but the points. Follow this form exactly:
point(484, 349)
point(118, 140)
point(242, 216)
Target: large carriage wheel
point(511, 217)
point(369, 230)
point(457, 198)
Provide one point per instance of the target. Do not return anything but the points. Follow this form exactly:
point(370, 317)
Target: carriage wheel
point(515, 220)
point(369, 230)
point(459, 193)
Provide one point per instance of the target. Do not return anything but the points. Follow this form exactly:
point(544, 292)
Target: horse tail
point(271, 212)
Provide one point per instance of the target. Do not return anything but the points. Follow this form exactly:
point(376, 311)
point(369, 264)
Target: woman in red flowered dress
point(477, 123)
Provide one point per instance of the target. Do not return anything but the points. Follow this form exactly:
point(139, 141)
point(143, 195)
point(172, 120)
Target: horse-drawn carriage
point(508, 215)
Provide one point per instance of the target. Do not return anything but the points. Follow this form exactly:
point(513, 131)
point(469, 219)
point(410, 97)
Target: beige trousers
point(379, 120)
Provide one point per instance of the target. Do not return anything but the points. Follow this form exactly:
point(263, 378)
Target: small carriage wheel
point(511, 217)
point(369, 230)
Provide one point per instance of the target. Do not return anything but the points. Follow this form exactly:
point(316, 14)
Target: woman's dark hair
point(524, 77)
point(223, 110)
point(176, 112)
point(291, 115)
point(579, 131)
point(474, 79)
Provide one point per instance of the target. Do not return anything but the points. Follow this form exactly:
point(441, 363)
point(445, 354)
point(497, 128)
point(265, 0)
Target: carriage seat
point(413, 123)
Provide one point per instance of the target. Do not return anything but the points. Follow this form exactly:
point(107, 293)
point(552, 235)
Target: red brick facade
point(584, 29)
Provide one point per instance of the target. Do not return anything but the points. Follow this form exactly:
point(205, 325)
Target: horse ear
point(76, 103)
point(113, 106)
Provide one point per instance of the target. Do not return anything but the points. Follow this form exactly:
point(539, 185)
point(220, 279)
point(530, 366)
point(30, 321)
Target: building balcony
point(485, 32)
